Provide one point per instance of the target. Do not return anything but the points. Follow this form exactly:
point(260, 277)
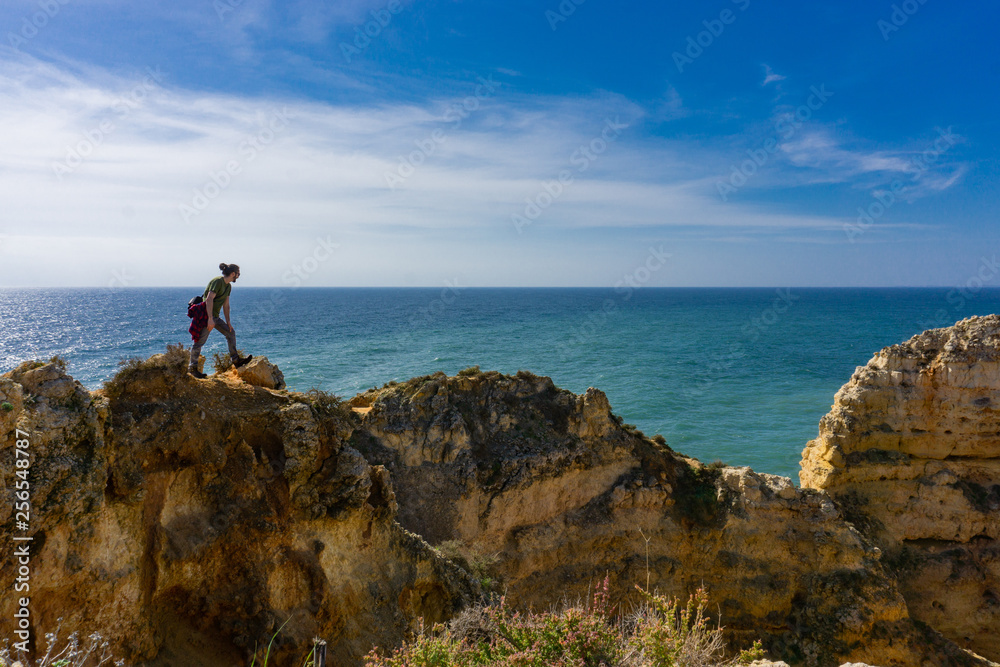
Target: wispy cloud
point(174, 138)
point(826, 158)
point(670, 106)
point(819, 150)
point(323, 172)
point(315, 22)
point(770, 76)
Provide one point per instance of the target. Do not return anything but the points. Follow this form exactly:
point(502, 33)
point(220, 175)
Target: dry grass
point(482, 566)
point(325, 405)
point(91, 653)
point(173, 361)
point(223, 362)
point(661, 632)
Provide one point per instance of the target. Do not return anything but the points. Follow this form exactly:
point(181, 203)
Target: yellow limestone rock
point(261, 373)
point(911, 449)
point(187, 521)
point(562, 494)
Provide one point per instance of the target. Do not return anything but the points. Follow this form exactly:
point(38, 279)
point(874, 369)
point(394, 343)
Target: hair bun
point(223, 267)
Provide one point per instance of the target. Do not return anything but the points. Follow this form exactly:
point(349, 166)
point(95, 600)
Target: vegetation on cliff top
point(660, 633)
point(698, 494)
point(175, 360)
point(482, 566)
point(222, 362)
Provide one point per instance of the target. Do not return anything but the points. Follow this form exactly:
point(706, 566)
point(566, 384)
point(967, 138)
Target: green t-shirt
point(221, 289)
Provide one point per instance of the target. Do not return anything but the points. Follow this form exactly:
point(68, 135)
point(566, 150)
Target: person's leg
point(230, 335)
point(196, 349)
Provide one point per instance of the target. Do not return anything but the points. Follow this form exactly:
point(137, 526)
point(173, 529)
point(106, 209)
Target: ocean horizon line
point(649, 288)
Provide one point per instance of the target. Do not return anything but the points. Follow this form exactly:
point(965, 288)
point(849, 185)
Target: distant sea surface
point(738, 375)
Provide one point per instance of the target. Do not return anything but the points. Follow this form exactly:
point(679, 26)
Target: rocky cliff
point(187, 521)
point(192, 520)
point(911, 450)
point(562, 494)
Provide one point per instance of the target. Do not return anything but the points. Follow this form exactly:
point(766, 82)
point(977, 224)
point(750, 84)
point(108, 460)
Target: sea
point(741, 376)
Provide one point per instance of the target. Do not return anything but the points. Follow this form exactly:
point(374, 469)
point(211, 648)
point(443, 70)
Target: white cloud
point(317, 20)
point(818, 149)
point(919, 172)
point(770, 76)
point(323, 173)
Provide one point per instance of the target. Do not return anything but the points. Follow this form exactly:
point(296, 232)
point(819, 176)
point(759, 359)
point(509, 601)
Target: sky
point(499, 142)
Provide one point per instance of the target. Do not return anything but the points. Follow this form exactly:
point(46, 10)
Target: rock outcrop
point(261, 373)
point(189, 521)
point(911, 450)
point(562, 494)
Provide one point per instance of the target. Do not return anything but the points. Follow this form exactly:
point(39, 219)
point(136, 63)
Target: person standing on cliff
point(216, 300)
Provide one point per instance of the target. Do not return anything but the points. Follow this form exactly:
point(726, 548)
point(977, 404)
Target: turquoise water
point(740, 375)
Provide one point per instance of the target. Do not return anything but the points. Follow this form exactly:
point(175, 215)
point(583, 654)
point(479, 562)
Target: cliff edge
point(189, 521)
point(911, 450)
point(560, 493)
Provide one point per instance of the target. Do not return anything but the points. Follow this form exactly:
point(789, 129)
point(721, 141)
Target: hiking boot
point(198, 374)
point(242, 362)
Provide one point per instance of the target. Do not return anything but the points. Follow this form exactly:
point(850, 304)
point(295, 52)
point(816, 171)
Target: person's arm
point(225, 310)
point(208, 308)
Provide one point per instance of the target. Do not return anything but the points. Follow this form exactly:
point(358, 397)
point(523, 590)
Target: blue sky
point(724, 143)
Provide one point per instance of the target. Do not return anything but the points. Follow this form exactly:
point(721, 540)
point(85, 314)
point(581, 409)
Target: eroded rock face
point(911, 448)
point(564, 495)
point(188, 520)
point(261, 373)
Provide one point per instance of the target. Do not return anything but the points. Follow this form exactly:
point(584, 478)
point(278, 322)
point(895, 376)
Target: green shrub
point(698, 494)
point(659, 439)
point(6, 407)
point(480, 565)
point(668, 634)
point(661, 633)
